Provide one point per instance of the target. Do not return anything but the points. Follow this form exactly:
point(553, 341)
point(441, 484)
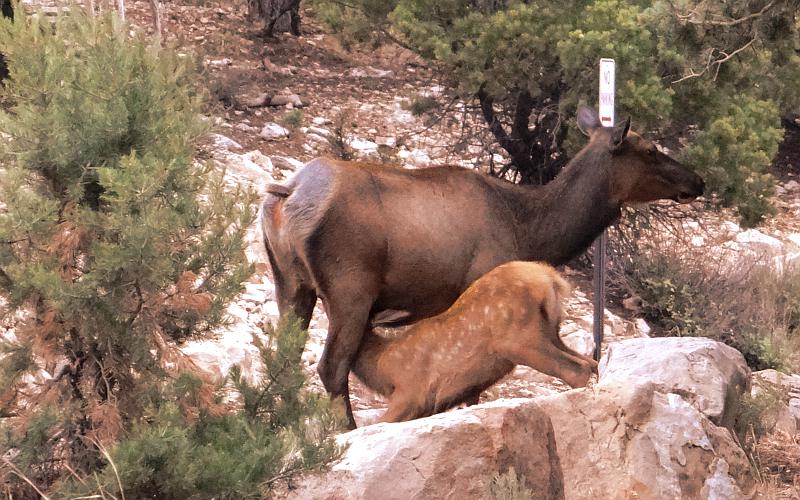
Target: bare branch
point(691, 74)
point(103, 450)
point(725, 56)
point(734, 22)
point(691, 17)
point(155, 6)
point(384, 32)
point(719, 62)
point(22, 476)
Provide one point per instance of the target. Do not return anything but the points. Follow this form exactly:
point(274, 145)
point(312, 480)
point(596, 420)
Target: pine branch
point(690, 17)
point(714, 62)
point(19, 474)
point(139, 305)
point(285, 474)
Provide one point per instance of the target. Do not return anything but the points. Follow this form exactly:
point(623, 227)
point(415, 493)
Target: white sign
point(606, 108)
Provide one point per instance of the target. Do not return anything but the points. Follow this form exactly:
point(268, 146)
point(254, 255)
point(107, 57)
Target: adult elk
point(509, 316)
point(373, 241)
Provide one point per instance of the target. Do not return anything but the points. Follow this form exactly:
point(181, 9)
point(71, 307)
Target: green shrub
point(508, 486)
point(293, 119)
point(279, 430)
point(751, 131)
point(339, 139)
point(756, 415)
point(353, 25)
point(675, 304)
point(421, 104)
point(225, 86)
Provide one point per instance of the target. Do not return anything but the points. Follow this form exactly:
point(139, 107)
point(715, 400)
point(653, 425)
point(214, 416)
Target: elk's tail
point(271, 210)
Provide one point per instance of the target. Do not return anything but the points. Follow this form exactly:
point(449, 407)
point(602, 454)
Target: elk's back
point(422, 235)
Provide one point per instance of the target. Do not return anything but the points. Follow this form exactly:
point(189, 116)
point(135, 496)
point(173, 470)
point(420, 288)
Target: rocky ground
point(652, 427)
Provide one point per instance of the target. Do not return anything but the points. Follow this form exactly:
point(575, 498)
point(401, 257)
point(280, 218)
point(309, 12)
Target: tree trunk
point(536, 154)
point(155, 6)
point(278, 15)
point(7, 11)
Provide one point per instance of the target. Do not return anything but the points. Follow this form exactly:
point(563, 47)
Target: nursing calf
point(509, 316)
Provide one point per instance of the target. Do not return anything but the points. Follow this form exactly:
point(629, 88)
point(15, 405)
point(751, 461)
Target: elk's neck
point(560, 220)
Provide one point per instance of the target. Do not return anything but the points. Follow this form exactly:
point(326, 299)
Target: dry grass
point(777, 457)
point(692, 281)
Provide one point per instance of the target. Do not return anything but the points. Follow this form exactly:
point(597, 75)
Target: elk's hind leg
point(291, 295)
point(348, 309)
point(301, 303)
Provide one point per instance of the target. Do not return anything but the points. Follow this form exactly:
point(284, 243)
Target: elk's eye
point(652, 151)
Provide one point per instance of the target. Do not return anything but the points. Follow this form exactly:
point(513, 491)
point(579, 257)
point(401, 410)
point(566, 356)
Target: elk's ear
point(587, 119)
point(619, 134)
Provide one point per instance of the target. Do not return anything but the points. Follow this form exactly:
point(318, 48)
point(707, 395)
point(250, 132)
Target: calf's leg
point(559, 343)
point(548, 359)
point(472, 398)
point(404, 406)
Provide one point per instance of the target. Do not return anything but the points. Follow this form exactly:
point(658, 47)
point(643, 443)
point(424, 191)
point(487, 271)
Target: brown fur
point(509, 316)
point(375, 242)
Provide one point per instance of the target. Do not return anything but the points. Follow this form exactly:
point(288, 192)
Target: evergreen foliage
point(279, 430)
point(717, 72)
point(114, 244)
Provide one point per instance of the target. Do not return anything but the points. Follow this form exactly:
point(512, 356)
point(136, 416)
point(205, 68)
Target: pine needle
point(22, 476)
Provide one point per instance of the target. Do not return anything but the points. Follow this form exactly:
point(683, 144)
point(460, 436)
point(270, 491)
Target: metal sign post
point(606, 112)
point(606, 107)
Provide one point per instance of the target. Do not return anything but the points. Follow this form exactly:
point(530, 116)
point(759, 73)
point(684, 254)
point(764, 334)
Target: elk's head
point(639, 172)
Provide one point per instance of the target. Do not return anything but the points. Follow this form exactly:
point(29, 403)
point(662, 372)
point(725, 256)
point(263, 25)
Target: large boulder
point(708, 374)
point(645, 430)
point(450, 455)
point(787, 418)
point(631, 440)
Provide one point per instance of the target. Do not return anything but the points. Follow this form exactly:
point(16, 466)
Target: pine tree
point(114, 244)
point(716, 73)
point(278, 430)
